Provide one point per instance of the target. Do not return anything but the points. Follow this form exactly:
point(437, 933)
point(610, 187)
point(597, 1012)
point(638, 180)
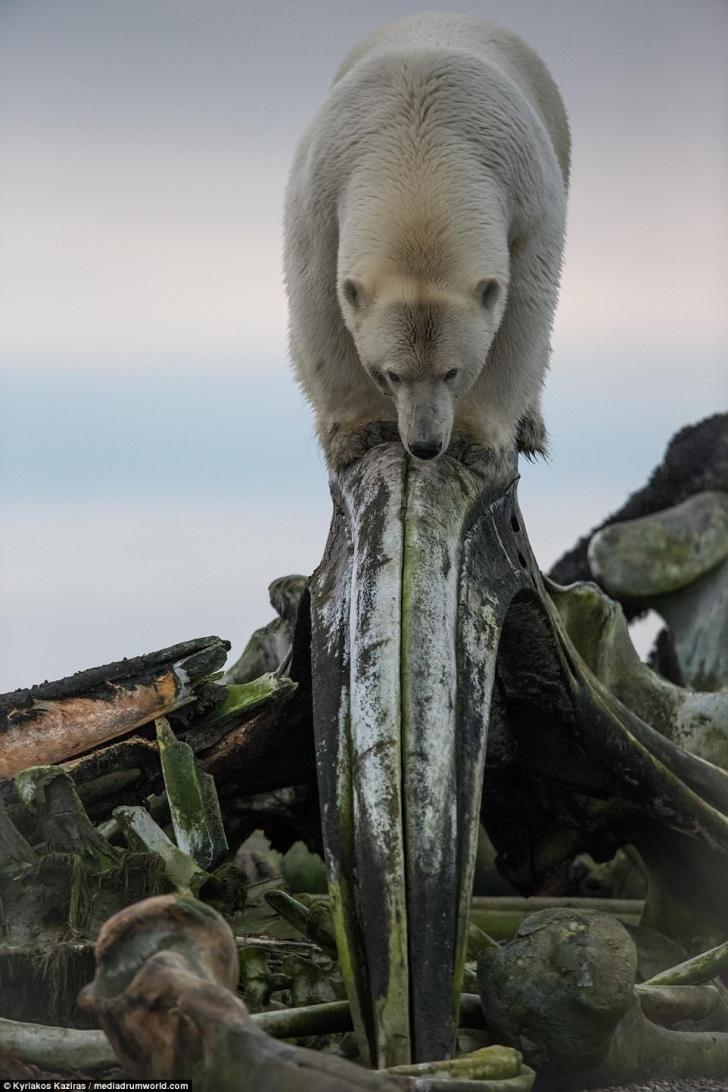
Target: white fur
point(438, 162)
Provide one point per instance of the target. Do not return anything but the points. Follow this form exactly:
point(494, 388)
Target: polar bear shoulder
point(471, 35)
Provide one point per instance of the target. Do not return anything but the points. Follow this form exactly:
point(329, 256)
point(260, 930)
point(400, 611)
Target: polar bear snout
point(425, 422)
point(430, 449)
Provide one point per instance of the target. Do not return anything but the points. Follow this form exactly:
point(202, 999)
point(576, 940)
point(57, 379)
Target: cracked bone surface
point(666, 549)
point(422, 563)
point(676, 561)
point(563, 992)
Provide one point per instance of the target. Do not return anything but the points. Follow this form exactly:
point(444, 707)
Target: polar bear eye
point(352, 292)
point(394, 378)
point(449, 376)
point(488, 292)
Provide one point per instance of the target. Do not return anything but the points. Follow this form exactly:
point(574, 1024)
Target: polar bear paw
point(531, 436)
point(344, 444)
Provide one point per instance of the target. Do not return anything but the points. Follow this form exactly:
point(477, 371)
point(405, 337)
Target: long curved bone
point(424, 565)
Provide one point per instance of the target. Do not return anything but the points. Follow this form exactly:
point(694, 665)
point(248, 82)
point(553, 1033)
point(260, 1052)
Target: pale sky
point(156, 462)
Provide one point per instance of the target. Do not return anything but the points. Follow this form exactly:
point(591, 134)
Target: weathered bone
point(696, 461)
point(436, 576)
point(422, 563)
point(692, 719)
point(54, 721)
point(193, 804)
point(425, 565)
point(676, 561)
point(563, 991)
point(166, 970)
point(269, 645)
point(701, 968)
point(57, 1048)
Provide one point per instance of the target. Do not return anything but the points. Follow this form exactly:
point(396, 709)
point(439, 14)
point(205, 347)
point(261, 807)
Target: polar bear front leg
point(345, 441)
point(476, 430)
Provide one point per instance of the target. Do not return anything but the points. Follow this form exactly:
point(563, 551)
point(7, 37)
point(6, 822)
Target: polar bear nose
point(427, 449)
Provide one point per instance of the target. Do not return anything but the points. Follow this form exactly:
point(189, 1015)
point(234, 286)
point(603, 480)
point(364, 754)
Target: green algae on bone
point(182, 871)
point(378, 863)
point(313, 921)
point(488, 1063)
point(247, 697)
point(663, 551)
point(701, 968)
point(325, 1018)
point(193, 802)
point(596, 629)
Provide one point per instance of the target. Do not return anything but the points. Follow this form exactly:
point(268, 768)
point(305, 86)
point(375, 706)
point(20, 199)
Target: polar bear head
point(423, 345)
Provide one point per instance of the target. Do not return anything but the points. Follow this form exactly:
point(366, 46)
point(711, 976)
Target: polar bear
point(424, 227)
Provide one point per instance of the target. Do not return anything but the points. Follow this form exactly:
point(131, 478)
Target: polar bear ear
point(353, 293)
point(487, 292)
